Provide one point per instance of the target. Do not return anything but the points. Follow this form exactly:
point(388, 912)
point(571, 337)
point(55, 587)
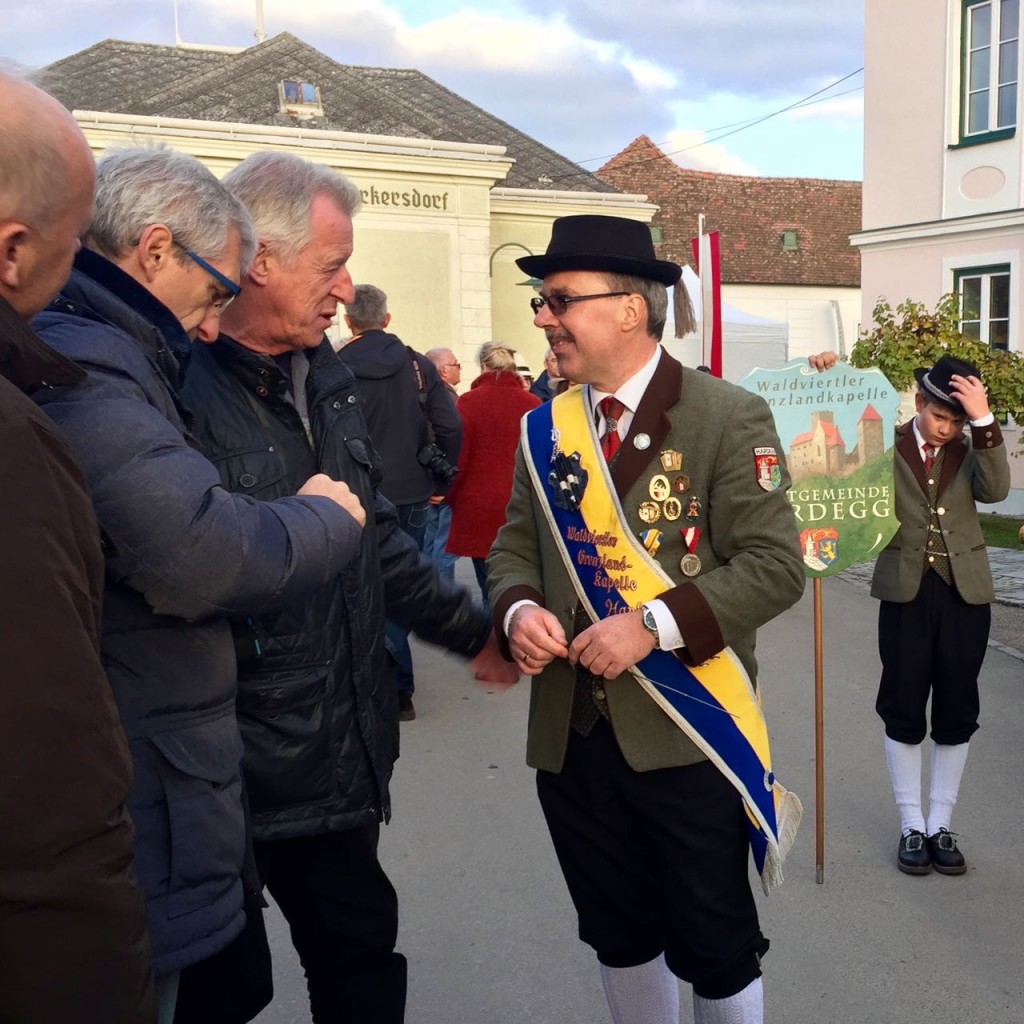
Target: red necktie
point(929, 457)
point(612, 409)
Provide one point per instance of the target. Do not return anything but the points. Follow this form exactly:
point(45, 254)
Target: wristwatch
point(650, 623)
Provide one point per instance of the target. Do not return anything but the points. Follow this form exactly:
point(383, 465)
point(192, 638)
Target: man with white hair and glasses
point(162, 259)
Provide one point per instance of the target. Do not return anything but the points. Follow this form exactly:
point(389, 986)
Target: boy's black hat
point(935, 380)
point(613, 245)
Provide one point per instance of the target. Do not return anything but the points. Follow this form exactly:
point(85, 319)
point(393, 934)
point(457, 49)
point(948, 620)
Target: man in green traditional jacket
point(650, 834)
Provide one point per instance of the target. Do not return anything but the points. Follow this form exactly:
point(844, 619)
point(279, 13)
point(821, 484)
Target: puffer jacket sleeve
point(418, 598)
point(173, 533)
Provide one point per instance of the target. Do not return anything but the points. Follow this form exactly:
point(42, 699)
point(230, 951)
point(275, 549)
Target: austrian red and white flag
point(706, 257)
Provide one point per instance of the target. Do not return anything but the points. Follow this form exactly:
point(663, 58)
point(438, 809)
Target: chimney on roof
point(261, 29)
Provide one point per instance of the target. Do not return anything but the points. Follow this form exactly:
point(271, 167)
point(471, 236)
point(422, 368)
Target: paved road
point(489, 930)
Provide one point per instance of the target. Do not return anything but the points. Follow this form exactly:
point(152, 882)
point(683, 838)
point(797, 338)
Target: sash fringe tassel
point(789, 811)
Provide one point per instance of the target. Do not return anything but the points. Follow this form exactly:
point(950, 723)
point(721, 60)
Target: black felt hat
point(936, 379)
point(613, 245)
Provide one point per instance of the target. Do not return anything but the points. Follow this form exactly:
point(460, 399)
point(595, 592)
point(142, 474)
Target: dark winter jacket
point(317, 700)
point(181, 554)
point(396, 416)
point(543, 387)
point(66, 841)
point(491, 412)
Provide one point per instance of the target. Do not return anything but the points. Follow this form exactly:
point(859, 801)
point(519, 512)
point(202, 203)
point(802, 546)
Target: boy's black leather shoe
point(946, 858)
point(912, 855)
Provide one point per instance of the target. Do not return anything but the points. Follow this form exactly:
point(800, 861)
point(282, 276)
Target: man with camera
point(413, 425)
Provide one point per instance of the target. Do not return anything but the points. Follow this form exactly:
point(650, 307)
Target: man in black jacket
point(270, 402)
point(439, 512)
point(544, 386)
point(413, 424)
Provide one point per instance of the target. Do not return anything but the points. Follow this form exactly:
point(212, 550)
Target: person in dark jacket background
point(439, 511)
point(73, 943)
point(271, 402)
point(491, 413)
point(412, 424)
point(546, 386)
point(164, 254)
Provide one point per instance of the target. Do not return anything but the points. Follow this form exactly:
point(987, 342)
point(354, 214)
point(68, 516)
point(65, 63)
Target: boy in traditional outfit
point(639, 556)
point(935, 587)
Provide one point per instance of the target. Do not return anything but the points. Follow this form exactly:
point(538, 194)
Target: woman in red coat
point(490, 411)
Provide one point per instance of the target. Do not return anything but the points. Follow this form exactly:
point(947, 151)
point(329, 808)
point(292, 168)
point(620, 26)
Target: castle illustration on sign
point(821, 451)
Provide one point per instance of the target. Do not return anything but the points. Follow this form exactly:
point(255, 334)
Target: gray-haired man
point(271, 403)
point(163, 257)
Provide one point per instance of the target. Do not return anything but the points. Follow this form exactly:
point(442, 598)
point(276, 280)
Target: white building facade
point(944, 166)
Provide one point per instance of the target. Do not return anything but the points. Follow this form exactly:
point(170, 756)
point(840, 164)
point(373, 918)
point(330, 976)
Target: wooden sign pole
point(819, 738)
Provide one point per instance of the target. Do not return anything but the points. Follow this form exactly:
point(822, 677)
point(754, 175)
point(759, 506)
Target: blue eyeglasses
point(229, 286)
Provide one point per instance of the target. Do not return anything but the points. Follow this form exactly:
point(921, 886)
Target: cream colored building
point(944, 166)
point(443, 219)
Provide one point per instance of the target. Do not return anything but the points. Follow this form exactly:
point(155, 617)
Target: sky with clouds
point(585, 77)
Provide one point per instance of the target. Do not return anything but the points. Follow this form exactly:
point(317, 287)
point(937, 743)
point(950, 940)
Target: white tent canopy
point(747, 340)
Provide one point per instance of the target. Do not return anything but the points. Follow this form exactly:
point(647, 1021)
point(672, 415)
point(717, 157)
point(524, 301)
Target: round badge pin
point(689, 564)
point(649, 512)
point(673, 509)
point(642, 442)
point(659, 488)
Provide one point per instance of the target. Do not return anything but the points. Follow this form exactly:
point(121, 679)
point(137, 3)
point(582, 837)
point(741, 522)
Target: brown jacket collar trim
point(651, 418)
point(906, 445)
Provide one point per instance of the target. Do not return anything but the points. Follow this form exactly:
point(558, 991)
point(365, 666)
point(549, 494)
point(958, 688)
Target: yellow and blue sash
point(713, 703)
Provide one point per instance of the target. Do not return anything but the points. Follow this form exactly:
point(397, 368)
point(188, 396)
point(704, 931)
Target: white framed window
point(299, 99)
point(985, 303)
point(989, 69)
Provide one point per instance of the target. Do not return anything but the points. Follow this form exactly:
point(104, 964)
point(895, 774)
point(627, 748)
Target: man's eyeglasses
point(558, 304)
point(454, 366)
point(222, 302)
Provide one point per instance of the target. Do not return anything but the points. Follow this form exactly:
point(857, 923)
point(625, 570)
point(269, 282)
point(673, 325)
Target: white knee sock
point(746, 1007)
point(904, 760)
point(647, 994)
point(947, 771)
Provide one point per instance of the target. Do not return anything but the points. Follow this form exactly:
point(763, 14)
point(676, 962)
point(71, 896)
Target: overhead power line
point(739, 126)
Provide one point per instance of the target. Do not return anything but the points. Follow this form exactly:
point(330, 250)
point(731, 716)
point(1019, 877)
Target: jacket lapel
point(906, 445)
point(956, 450)
point(651, 418)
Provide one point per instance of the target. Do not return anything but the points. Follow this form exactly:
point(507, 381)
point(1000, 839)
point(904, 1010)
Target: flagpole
point(701, 270)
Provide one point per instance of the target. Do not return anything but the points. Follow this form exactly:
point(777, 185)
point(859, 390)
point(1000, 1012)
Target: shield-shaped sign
point(837, 432)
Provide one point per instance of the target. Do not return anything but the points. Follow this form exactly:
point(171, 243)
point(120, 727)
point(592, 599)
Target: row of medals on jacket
point(663, 502)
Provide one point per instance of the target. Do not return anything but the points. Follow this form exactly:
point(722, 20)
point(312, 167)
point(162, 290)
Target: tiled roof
point(114, 76)
point(751, 215)
point(138, 78)
point(870, 413)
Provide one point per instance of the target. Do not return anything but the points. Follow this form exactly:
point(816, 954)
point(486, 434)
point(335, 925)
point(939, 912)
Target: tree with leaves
point(910, 337)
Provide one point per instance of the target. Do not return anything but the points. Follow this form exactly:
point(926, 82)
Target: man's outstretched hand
point(488, 666)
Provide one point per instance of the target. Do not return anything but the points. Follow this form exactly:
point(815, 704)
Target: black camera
point(437, 462)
